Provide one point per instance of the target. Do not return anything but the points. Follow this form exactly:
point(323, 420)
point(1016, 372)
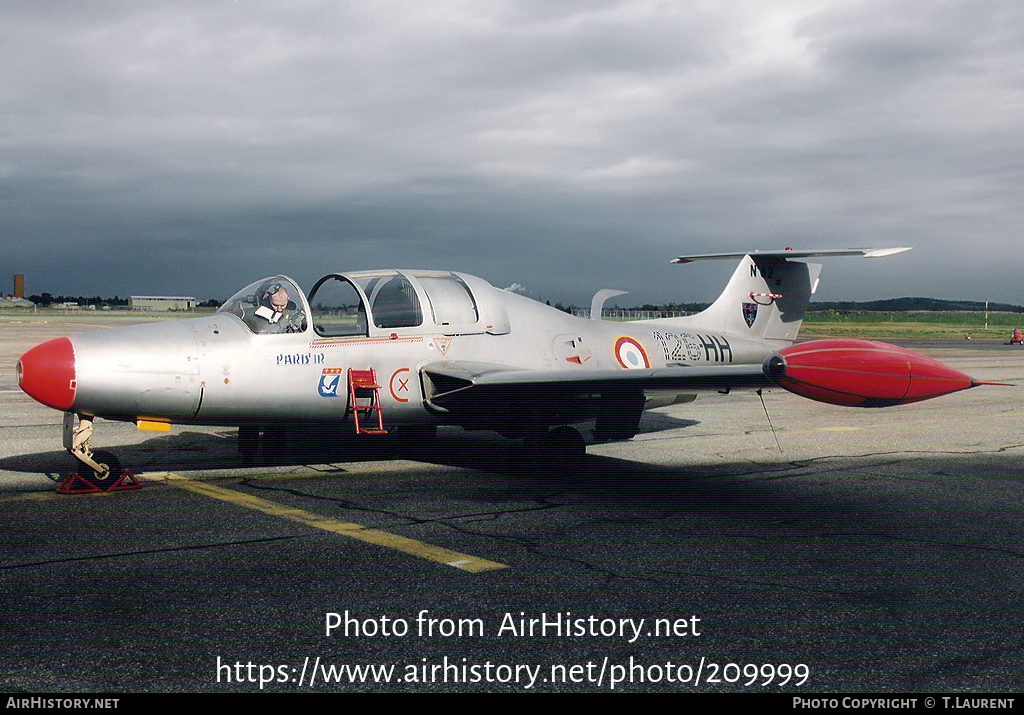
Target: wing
point(495, 395)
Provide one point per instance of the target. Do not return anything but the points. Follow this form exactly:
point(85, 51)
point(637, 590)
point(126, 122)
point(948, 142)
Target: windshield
point(270, 305)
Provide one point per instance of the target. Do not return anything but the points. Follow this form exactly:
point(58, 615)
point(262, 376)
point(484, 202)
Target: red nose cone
point(47, 373)
point(865, 373)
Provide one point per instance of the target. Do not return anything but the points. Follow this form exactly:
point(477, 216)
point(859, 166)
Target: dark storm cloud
point(567, 146)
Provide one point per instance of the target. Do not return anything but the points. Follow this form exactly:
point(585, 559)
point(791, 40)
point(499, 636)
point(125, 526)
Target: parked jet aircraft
point(415, 349)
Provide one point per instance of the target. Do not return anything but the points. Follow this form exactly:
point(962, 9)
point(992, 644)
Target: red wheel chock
point(76, 484)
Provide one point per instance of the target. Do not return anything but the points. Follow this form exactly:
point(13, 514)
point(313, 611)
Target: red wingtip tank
point(863, 373)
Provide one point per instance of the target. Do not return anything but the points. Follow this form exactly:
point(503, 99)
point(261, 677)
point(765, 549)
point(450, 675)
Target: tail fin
point(768, 294)
point(765, 299)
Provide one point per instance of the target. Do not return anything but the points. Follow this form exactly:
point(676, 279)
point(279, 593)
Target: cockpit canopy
point(271, 305)
point(409, 302)
point(370, 303)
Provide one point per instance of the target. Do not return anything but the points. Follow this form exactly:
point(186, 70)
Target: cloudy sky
point(193, 146)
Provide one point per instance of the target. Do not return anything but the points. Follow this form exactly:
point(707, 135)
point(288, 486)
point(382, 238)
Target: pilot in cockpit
point(276, 313)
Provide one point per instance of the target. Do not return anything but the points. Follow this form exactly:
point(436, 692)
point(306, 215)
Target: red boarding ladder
point(363, 384)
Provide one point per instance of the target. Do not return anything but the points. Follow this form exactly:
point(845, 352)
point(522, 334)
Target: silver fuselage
point(215, 370)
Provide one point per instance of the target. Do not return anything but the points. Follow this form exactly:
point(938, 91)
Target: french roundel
point(631, 354)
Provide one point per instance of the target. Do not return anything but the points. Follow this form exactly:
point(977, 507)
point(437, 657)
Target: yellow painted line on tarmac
point(465, 562)
point(437, 554)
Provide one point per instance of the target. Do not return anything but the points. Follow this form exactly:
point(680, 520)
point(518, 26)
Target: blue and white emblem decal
point(329, 382)
point(750, 313)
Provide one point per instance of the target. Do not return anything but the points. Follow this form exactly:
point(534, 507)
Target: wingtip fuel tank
point(862, 373)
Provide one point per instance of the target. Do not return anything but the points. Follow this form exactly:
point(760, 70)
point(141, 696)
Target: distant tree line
point(891, 304)
point(48, 298)
point(910, 304)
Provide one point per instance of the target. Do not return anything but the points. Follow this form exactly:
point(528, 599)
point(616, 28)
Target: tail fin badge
point(750, 309)
point(749, 313)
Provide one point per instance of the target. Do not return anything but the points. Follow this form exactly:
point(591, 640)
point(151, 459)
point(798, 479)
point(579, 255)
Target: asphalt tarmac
point(854, 551)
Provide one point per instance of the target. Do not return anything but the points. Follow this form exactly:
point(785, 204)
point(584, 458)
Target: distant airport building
point(161, 302)
point(19, 285)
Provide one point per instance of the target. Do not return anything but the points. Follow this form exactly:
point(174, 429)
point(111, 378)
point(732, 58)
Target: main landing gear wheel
point(566, 443)
point(248, 443)
point(273, 440)
point(561, 447)
point(416, 436)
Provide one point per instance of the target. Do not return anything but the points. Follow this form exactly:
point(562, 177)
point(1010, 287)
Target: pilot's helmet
point(273, 286)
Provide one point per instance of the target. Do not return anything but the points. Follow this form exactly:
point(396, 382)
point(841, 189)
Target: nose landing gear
point(100, 470)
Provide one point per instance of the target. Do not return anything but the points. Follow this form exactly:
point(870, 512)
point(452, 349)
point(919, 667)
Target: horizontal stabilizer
point(768, 294)
point(792, 253)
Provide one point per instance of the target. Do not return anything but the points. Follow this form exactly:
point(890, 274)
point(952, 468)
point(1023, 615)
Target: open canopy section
point(386, 302)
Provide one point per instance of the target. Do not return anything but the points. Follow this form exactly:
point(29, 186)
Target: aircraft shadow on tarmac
point(740, 489)
point(295, 446)
point(189, 451)
point(891, 504)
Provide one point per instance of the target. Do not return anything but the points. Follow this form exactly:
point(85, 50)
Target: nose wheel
point(101, 470)
point(76, 441)
point(108, 467)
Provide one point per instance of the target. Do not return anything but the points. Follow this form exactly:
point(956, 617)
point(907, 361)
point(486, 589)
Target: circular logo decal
point(631, 354)
point(400, 385)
